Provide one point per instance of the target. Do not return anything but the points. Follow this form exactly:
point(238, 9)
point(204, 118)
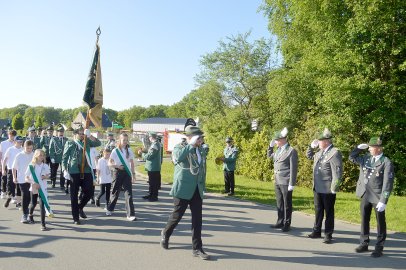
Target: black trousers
point(366, 209)
point(48, 160)
point(180, 206)
point(86, 185)
point(12, 188)
point(324, 203)
point(104, 189)
point(122, 179)
point(34, 200)
point(3, 181)
point(154, 179)
point(26, 194)
point(54, 171)
point(229, 181)
point(283, 204)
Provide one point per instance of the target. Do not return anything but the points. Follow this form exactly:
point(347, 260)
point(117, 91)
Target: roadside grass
point(347, 207)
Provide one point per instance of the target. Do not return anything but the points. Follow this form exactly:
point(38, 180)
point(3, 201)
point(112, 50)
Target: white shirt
point(11, 154)
point(93, 155)
point(20, 164)
point(104, 171)
point(114, 156)
point(40, 170)
point(4, 146)
point(376, 158)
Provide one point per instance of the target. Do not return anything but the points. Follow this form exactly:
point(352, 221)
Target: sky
point(150, 50)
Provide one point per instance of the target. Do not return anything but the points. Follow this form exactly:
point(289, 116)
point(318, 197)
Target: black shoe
point(92, 201)
point(146, 197)
point(97, 203)
point(82, 213)
point(230, 194)
point(77, 222)
point(377, 252)
point(276, 226)
point(314, 235)
point(62, 188)
point(225, 192)
point(200, 253)
point(328, 238)
point(53, 185)
point(66, 191)
point(152, 199)
point(31, 219)
point(44, 228)
point(7, 202)
point(164, 242)
point(18, 204)
point(362, 248)
point(286, 228)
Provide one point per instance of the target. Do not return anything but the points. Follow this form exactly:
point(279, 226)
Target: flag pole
point(87, 124)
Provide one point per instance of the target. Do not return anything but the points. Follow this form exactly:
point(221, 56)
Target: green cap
point(280, 134)
point(152, 134)
point(31, 129)
point(375, 141)
point(50, 128)
point(60, 128)
point(229, 139)
point(192, 131)
point(325, 134)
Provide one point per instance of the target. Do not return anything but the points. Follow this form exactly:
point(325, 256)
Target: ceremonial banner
point(93, 96)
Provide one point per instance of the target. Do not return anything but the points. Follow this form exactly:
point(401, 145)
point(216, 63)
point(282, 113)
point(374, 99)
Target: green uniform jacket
point(72, 156)
point(44, 144)
point(230, 158)
point(189, 173)
point(56, 147)
point(37, 142)
point(153, 157)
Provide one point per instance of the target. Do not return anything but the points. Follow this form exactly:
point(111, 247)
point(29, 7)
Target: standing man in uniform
point(71, 165)
point(45, 141)
point(188, 188)
point(4, 145)
point(229, 163)
point(375, 183)
point(56, 147)
point(327, 174)
point(153, 167)
point(32, 136)
point(111, 142)
point(285, 165)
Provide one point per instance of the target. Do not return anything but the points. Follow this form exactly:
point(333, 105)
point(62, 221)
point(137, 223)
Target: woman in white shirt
point(122, 162)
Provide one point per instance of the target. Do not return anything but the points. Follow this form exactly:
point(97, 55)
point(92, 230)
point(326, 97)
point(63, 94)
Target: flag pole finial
point(98, 32)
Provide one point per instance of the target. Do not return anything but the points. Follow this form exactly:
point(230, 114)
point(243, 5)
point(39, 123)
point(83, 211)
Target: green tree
point(17, 122)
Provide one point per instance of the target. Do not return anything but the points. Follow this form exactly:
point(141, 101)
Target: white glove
point(194, 139)
point(87, 132)
point(314, 143)
point(272, 144)
point(66, 175)
point(380, 207)
point(290, 188)
point(363, 146)
point(52, 160)
point(333, 192)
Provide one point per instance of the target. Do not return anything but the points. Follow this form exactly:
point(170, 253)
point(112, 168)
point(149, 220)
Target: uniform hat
point(229, 139)
point(50, 128)
point(76, 131)
point(19, 138)
point(280, 134)
point(110, 134)
point(60, 128)
point(31, 129)
point(152, 134)
point(325, 134)
point(192, 131)
point(375, 141)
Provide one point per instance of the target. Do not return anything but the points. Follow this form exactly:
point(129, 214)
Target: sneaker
point(3, 195)
point(13, 200)
point(31, 219)
point(24, 219)
point(200, 253)
point(18, 205)
point(108, 213)
point(132, 218)
point(7, 202)
point(97, 203)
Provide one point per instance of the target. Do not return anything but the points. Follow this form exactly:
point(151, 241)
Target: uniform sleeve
point(270, 154)
point(233, 157)
point(388, 178)
point(152, 153)
point(336, 163)
point(67, 150)
point(180, 152)
point(52, 148)
point(94, 143)
point(42, 142)
point(309, 153)
point(293, 168)
point(355, 156)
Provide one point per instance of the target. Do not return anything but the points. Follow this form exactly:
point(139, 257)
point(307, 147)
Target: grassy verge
point(347, 204)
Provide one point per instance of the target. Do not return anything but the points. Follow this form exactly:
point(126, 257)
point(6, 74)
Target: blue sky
point(150, 50)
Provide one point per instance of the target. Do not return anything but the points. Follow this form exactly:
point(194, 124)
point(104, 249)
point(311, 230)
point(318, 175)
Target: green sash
point(88, 160)
point(123, 162)
point(43, 196)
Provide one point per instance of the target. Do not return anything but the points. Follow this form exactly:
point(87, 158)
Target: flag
point(93, 96)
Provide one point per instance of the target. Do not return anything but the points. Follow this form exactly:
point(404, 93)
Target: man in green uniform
point(56, 147)
point(375, 183)
point(153, 160)
point(188, 188)
point(45, 141)
point(32, 136)
point(229, 162)
point(71, 165)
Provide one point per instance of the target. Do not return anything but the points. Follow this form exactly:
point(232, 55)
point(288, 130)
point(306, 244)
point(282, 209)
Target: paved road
point(236, 233)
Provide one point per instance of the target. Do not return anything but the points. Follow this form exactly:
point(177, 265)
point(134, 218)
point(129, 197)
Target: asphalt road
point(235, 233)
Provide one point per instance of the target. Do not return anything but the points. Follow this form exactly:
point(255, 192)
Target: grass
point(346, 208)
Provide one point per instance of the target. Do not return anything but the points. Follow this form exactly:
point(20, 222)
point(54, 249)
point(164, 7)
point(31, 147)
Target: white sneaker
point(132, 218)
point(108, 213)
point(13, 200)
point(3, 195)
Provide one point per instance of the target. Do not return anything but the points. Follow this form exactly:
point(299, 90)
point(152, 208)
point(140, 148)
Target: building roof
point(105, 120)
point(158, 120)
point(4, 122)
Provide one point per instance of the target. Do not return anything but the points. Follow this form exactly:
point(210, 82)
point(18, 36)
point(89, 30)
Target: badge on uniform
point(377, 173)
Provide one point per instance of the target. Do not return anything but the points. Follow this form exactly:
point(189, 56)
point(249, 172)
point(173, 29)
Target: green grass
point(346, 208)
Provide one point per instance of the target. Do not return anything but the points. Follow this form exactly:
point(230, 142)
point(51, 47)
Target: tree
point(17, 122)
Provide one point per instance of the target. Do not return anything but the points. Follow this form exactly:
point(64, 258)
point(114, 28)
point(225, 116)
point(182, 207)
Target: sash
point(123, 162)
point(41, 191)
point(88, 160)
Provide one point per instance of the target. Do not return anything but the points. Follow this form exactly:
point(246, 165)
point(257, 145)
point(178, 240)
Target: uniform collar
point(378, 157)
